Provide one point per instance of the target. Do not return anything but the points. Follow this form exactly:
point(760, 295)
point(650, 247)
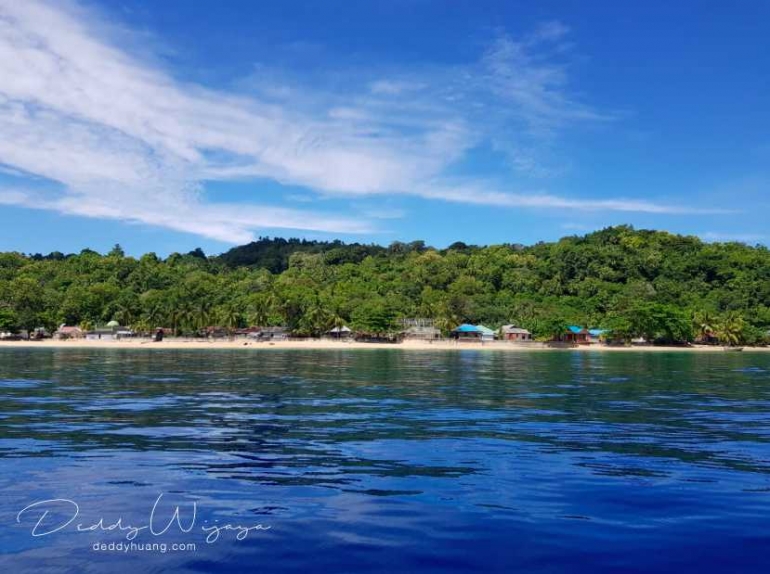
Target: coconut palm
point(228, 317)
point(446, 320)
point(703, 322)
point(156, 315)
point(142, 326)
point(335, 317)
point(316, 319)
point(124, 315)
point(259, 311)
point(201, 315)
point(731, 329)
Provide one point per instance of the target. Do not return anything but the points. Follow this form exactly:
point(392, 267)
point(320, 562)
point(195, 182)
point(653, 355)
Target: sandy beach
point(324, 344)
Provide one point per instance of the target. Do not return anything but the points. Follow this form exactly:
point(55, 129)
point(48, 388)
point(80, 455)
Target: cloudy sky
point(169, 125)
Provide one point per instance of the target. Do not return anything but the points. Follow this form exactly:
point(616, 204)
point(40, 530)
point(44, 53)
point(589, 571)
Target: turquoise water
point(387, 461)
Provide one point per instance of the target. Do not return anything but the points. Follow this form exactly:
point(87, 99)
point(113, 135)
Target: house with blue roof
point(575, 334)
point(468, 332)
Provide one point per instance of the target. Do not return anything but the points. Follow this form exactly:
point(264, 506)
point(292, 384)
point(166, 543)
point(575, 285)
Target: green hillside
point(649, 283)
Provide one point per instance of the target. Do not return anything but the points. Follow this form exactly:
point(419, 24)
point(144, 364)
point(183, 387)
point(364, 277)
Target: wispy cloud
point(126, 140)
point(394, 87)
point(483, 195)
point(228, 222)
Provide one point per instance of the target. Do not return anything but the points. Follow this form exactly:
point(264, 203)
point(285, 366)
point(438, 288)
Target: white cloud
point(482, 195)
point(550, 31)
point(12, 197)
point(126, 140)
point(228, 222)
point(394, 87)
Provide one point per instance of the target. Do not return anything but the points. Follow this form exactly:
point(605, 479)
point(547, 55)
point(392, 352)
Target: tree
point(652, 321)
point(704, 322)
point(8, 320)
point(259, 309)
point(229, 317)
point(730, 329)
point(117, 252)
point(374, 317)
point(658, 285)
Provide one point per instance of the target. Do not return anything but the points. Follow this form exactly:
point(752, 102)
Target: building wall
point(518, 337)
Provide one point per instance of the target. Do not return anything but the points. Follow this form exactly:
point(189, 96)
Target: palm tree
point(704, 325)
point(445, 319)
point(142, 326)
point(189, 317)
point(156, 315)
point(316, 319)
point(175, 312)
point(259, 312)
point(201, 315)
point(426, 309)
point(124, 315)
point(229, 317)
point(336, 319)
point(731, 328)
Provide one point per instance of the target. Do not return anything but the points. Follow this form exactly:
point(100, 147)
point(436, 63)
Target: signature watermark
point(48, 517)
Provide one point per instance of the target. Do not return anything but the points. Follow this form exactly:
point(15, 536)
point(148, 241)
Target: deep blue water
point(389, 461)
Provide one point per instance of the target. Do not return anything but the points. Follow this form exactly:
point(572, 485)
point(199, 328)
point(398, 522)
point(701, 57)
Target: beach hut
point(514, 333)
point(575, 334)
point(343, 332)
point(68, 332)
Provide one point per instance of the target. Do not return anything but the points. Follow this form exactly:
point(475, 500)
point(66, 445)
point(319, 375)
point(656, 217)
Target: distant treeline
point(651, 284)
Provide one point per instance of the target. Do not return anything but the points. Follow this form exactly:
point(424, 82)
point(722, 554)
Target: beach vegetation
point(635, 283)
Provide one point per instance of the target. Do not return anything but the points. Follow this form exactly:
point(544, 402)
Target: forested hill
point(636, 282)
point(273, 254)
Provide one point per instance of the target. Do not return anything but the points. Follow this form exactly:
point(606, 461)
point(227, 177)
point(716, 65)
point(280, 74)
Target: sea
point(387, 461)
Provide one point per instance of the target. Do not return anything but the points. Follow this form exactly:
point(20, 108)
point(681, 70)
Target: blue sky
point(164, 126)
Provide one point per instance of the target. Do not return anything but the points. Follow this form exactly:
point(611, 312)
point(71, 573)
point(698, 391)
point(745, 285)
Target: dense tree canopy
point(637, 283)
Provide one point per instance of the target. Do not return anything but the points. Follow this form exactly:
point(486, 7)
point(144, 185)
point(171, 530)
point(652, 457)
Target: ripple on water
point(394, 461)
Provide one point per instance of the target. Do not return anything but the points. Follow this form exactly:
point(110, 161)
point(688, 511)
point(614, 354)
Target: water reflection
point(361, 452)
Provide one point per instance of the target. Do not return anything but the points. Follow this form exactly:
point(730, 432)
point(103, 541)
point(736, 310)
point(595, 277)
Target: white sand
point(313, 344)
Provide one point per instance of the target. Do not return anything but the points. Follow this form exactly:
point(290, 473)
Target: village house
point(575, 334)
point(110, 332)
point(68, 332)
point(466, 332)
point(514, 333)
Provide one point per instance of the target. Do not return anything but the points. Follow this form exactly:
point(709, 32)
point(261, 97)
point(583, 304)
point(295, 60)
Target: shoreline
point(316, 344)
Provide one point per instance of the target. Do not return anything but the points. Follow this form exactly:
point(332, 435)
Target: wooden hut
point(514, 333)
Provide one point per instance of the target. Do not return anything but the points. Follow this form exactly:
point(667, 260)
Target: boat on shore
point(733, 349)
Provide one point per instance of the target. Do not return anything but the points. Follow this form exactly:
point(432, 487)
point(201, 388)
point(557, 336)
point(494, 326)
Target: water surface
point(391, 461)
